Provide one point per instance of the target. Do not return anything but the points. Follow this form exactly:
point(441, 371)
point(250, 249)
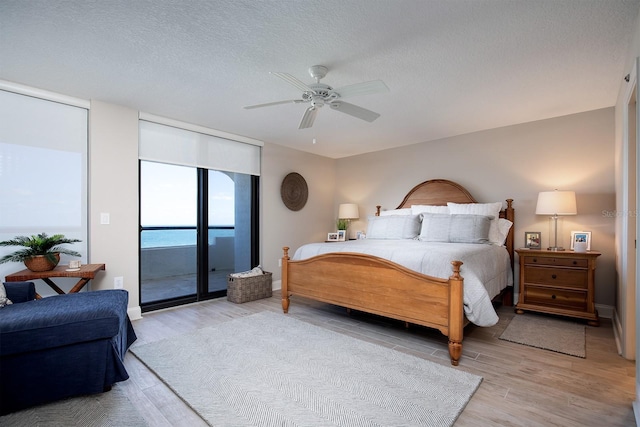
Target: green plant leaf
point(40, 244)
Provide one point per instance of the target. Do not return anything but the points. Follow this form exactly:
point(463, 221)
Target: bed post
point(285, 278)
point(507, 297)
point(378, 210)
point(456, 313)
point(509, 214)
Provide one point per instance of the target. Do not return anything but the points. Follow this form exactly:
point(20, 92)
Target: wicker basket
point(243, 289)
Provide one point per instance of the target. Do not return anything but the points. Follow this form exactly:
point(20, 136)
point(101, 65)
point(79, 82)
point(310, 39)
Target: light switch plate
point(104, 218)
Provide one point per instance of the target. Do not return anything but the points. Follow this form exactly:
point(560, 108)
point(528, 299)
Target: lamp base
point(555, 248)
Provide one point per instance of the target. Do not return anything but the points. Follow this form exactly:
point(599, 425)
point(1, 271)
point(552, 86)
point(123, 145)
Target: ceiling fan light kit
point(319, 94)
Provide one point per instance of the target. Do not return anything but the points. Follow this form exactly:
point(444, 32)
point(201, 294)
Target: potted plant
point(342, 224)
point(41, 253)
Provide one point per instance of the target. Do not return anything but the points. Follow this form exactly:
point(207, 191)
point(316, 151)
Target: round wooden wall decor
point(294, 191)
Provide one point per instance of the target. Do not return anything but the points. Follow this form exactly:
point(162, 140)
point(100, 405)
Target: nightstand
point(558, 282)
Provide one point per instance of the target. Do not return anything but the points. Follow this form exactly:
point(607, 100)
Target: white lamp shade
point(556, 203)
point(348, 211)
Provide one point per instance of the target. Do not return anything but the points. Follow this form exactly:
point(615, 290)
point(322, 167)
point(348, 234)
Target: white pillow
point(455, 228)
point(418, 209)
point(393, 227)
point(504, 225)
point(3, 296)
point(488, 209)
point(404, 211)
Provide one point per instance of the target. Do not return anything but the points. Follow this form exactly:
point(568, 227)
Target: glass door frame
point(202, 243)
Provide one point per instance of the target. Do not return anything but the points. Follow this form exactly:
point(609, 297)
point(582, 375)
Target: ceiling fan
point(319, 94)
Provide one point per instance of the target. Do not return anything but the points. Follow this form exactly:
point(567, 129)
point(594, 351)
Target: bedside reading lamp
point(348, 211)
point(556, 203)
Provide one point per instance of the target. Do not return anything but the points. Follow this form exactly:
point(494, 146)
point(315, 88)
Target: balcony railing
point(168, 260)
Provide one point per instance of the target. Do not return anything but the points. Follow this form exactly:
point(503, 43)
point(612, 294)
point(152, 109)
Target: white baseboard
point(605, 311)
point(276, 285)
point(617, 331)
point(135, 313)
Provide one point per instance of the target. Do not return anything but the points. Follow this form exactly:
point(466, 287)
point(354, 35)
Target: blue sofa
point(61, 346)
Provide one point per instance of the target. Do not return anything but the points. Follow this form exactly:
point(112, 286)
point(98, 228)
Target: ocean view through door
point(196, 227)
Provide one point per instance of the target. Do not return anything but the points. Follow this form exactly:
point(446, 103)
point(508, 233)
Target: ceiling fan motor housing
point(321, 89)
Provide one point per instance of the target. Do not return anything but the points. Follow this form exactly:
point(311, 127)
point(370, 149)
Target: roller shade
point(176, 145)
point(43, 168)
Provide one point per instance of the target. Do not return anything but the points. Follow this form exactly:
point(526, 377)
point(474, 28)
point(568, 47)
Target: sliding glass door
point(196, 227)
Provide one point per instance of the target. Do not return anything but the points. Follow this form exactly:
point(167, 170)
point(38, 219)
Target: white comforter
point(486, 269)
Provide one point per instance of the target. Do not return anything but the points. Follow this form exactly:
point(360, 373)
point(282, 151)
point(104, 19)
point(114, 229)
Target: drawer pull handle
point(575, 262)
point(553, 276)
point(553, 297)
point(535, 260)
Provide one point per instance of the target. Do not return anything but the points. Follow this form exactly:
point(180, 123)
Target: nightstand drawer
point(556, 262)
point(550, 297)
point(566, 278)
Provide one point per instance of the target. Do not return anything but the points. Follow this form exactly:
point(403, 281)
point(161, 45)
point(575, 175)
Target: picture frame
point(332, 237)
point(581, 237)
point(342, 235)
point(532, 239)
point(360, 235)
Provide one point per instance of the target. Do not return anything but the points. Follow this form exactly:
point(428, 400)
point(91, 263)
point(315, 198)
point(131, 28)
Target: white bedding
point(486, 269)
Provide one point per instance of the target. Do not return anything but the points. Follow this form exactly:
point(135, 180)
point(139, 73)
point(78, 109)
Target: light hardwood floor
point(522, 386)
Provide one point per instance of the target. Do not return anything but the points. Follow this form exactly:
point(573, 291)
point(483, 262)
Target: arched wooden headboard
point(436, 192)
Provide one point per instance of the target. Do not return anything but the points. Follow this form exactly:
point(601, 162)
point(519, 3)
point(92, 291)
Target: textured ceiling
point(452, 66)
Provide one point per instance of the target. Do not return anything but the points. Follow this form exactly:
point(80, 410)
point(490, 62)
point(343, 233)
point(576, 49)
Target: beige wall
point(281, 226)
point(573, 152)
point(113, 189)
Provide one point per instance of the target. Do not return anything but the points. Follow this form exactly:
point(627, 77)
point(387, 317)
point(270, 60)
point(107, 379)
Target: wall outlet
point(279, 262)
point(118, 282)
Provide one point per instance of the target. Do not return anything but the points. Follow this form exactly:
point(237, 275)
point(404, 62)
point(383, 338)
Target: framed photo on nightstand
point(342, 235)
point(332, 237)
point(532, 239)
point(580, 240)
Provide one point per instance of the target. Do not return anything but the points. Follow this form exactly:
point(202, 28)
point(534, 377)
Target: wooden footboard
point(375, 285)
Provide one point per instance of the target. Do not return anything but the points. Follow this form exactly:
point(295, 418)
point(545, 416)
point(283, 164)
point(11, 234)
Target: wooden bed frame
point(378, 286)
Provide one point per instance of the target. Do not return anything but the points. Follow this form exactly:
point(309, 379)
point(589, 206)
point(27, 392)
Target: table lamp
point(348, 211)
point(556, 203)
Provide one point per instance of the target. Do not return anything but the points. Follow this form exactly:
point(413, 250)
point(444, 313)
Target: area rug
point(549, 333)
point(112, 408)
point(270, 369)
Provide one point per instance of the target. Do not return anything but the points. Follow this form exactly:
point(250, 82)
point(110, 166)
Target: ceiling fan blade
point(308, 118)
point(365, 88)
point(354, 110)
point(293, 81)
point(268, 104)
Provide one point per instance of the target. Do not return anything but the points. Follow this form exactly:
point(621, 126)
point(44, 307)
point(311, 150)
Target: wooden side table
point(558, 282)
point(85, 273)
